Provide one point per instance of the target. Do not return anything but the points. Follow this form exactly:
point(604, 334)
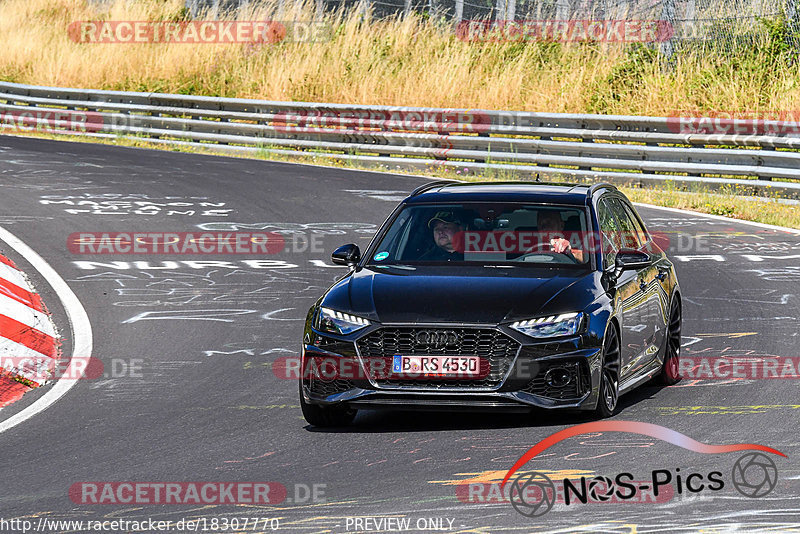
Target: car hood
point(476, 295)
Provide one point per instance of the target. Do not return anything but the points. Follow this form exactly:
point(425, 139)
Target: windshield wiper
point(397, 266)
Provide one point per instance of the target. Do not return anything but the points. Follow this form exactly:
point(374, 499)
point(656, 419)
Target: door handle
point(642, 285)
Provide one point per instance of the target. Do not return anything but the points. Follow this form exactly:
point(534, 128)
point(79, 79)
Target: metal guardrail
point(622, 149)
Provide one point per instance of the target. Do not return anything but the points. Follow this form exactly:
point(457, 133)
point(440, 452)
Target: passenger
point(445, 225)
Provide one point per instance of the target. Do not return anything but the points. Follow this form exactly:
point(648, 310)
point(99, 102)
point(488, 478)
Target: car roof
point(535, 192)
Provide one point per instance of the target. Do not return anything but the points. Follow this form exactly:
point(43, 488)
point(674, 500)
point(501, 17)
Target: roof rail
point(430, 185)
point(595, 187)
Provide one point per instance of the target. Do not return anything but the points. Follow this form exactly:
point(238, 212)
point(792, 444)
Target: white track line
point(81, 332)
point(721, 218)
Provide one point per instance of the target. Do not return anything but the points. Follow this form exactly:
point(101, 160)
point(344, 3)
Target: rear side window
point(637, 224)
point(630, 234)
point(610, 231)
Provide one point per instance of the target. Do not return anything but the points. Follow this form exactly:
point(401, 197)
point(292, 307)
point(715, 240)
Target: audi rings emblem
point(437, 339)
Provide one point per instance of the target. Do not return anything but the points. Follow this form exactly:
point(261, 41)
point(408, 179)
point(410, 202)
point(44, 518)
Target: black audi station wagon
point(507, 296)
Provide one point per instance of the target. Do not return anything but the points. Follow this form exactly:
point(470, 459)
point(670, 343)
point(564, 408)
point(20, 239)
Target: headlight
point(336, 322)
point(566, 324)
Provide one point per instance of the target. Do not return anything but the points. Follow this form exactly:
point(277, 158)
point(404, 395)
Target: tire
point(325, 416)
point(670, 368)
point(608, 399)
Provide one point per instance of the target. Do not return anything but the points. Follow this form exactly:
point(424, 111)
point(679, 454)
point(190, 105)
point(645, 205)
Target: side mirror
point(629, 260)
point(346, 255)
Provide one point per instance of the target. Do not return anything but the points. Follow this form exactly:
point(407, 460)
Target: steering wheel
point(558, 256)
point(537, 247)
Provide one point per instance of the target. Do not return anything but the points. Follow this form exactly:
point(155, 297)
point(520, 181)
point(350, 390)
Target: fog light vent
point(558, 377)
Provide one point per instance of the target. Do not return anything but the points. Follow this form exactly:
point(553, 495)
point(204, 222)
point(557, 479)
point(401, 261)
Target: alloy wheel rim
point(674, 340)
point(611, 370)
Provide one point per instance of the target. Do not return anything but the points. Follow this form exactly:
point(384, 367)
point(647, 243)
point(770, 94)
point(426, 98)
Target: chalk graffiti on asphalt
point(111, 204)
point(327, 228)
point(173, 288)
point(378, 194)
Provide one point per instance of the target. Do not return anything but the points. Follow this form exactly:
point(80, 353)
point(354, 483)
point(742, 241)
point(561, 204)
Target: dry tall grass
point(398, 62)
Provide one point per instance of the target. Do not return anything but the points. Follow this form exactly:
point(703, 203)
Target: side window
point(629, 235)
point(637, 224)
point(610, 230)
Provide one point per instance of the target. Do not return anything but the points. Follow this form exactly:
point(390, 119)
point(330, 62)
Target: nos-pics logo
point(533, 494)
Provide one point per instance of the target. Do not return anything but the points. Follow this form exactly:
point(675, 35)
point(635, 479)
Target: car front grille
point(322, 388)
point(492, 346)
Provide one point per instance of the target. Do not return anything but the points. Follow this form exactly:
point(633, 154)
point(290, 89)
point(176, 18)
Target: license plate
point(436, 365)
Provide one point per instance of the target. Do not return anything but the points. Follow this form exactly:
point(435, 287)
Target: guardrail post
point(793, 22)
point(196, 7)
point(563, 10)
point(511, 9)
point(667, 48)
point(689, 28)
point(500, 11)
point(505, 10)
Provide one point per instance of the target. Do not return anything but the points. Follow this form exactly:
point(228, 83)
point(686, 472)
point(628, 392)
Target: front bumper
point(520, 378)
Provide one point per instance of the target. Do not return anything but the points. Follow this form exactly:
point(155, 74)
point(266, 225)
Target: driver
point(445, 225)
point(550, 224)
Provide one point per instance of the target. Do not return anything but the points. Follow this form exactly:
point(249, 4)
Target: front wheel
point(326, 416)
point(609, 377)
point(670, 369)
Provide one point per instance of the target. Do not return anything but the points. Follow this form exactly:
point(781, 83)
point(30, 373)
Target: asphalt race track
point(188, 392)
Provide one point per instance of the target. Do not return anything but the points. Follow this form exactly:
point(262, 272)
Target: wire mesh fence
point(722, 24)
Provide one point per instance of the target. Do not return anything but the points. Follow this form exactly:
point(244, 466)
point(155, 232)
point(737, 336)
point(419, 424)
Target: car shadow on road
point(385, 421)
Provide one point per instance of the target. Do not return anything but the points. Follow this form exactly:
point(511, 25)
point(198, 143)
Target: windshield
point(486, 233)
